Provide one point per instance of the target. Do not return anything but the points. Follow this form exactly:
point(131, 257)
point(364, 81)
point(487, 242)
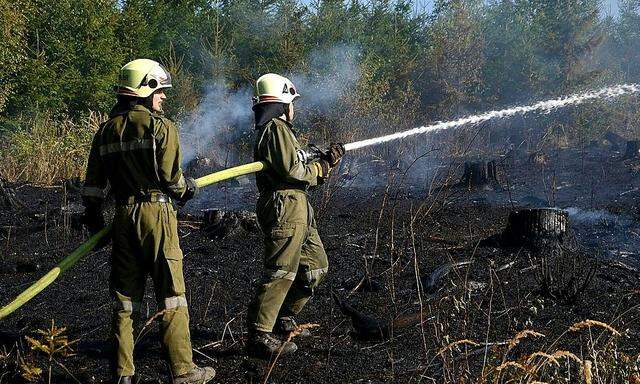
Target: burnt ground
point(395, 233)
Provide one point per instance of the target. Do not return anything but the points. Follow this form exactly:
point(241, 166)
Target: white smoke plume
point(224, 115)
point(221, 118)
point(329, 75)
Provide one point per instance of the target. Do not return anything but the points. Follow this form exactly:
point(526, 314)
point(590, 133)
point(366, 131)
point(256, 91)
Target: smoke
point(596, 218)
point(223, 119)
point(329, 75)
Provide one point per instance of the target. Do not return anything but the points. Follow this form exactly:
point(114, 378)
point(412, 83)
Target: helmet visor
point(159, 77)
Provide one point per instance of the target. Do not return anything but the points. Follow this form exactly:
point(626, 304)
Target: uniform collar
point(288, 124)
point(120, 109)
point(284, 121)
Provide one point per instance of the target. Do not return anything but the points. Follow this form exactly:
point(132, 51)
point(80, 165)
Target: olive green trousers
point(295, 261)
point(145, 242)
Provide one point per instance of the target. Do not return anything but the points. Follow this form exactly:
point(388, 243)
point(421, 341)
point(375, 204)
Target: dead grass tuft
point(46, 149)
point(593, 323)
point(457, 343)
point(522, 335)
point(512, 364)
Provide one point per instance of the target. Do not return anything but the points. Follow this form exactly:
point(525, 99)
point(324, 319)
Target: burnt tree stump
point(633, 149)
point(535, 225)
point(479, 174)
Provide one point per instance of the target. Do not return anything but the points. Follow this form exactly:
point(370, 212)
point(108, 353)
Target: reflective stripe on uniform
point(280, 274)
point(93, 192)
point(315, 274)
point(175, 302)
point(127, 305)
point(125, 146)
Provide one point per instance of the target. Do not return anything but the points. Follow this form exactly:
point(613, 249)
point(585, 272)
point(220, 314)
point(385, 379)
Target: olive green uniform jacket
point(294, 258)
point(137, 154)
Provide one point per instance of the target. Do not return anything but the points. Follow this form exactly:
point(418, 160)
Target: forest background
point(363, 67)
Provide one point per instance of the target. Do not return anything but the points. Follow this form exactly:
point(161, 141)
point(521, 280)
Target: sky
point(608, 6)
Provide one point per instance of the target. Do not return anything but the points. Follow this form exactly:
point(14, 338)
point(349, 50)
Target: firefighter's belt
point(150, 198)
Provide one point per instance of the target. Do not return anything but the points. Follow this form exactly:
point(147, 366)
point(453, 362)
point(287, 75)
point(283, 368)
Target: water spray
point(542, 106)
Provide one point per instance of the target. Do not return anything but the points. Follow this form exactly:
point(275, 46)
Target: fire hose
point(87, 246)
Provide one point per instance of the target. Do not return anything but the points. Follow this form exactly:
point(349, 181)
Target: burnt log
point(370, 328)
point(479, 174)
point(530, 226)
point(633, 149)
point(432, 282)
point(220, 224)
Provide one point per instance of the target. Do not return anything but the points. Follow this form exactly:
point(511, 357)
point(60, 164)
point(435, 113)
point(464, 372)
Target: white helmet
point(272, 88)
point(141, 78)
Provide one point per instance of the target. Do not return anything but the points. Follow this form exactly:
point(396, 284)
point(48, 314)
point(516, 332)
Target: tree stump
point(479, 174)
point(633, 149)
point(531, 226)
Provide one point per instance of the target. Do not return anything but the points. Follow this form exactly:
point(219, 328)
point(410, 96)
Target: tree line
point(413, 65)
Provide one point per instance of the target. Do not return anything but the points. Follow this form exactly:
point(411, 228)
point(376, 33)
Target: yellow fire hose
point(86, 247)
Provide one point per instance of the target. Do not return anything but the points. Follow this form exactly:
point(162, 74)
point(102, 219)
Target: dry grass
point(521, 335)
point(299, 329)
point(45, 149)
point(458, 343)
point(592, 323)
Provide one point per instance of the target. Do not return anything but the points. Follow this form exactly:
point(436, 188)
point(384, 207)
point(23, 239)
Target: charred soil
point(458, 329)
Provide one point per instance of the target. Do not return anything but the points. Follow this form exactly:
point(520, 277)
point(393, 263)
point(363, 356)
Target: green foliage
point(72, 56)
point(12, 50)
point(60, 58)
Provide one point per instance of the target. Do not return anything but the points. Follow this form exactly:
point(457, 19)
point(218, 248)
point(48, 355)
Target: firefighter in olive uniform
point(136, 153)
point(295, 261)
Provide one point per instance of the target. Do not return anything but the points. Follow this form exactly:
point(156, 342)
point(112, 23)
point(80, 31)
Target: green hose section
point(53, 274)
point(230, 173)
point(87, 246)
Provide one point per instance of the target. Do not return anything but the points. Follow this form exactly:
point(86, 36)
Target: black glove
point(333, 154)
point(191, 192)
point(93, 218)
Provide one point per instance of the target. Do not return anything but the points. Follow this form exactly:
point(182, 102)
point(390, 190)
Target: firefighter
point(295, 261)
point(136, 154)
